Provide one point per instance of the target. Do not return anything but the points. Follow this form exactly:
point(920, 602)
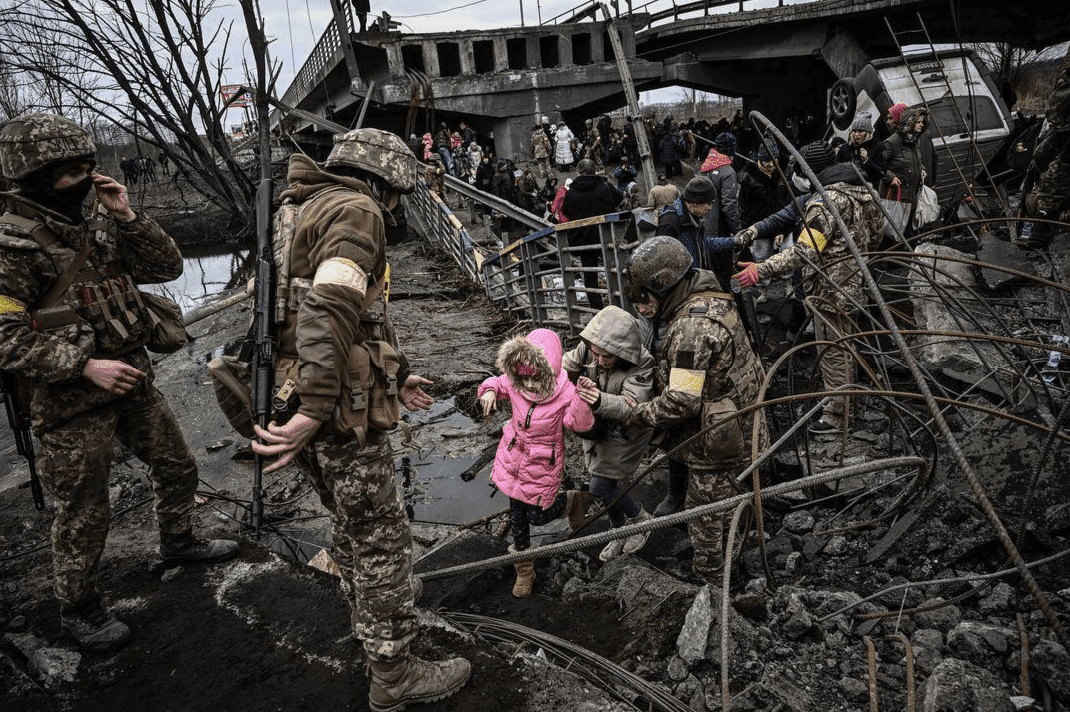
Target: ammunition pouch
point(167, 333)
point(369, 397)
point(722, 438)
point(230, 379)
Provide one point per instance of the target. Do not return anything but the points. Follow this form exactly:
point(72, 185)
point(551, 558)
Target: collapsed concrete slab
point(943, 293)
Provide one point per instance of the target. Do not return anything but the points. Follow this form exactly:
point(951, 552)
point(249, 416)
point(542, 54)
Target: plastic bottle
point(1051, 368)
point(734, 284)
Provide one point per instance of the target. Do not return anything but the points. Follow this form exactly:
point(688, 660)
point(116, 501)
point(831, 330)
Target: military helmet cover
point(33, 141)
point(658, 264)
point(378, 152)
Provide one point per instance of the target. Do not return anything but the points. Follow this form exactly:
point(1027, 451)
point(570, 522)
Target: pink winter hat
point(895, 111)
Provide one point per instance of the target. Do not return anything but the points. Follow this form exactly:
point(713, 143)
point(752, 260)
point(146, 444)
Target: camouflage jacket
point(99, 316)
point(824, 245)
point(341, 224)
point(706, 359)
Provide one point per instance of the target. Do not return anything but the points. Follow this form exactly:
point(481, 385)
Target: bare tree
point(154, 70)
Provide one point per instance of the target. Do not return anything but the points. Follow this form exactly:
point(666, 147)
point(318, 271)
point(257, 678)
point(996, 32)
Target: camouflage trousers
point(837, 366)
point(371, 536)
point(707, 485)
point(75, 462)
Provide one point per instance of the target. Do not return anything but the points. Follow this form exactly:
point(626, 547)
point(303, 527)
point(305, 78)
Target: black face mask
point(69, 200)
point(39, 188)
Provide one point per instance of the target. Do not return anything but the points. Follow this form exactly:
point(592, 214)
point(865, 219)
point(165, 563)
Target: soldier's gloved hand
point(748, 277)
point(746, 237)
point(489, 401)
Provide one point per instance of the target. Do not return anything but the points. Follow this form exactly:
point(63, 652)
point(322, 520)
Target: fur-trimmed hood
point(541, 349)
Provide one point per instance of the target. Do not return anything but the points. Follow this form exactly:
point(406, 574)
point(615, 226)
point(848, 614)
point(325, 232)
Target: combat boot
point(185, 548)
point(677, 491)
point(412, 680)
point(525, 576)
point(93, 626)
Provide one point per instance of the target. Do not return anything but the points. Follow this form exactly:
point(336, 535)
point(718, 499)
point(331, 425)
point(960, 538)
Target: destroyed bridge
point(776, 58)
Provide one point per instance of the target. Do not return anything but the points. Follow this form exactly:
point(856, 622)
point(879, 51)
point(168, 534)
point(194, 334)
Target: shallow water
point(207, 270)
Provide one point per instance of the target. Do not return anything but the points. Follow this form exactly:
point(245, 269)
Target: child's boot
point(637, 541)
point(525, 576)
point(576, 508)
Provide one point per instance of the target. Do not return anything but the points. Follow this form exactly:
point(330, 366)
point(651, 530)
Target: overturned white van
point(970, 122)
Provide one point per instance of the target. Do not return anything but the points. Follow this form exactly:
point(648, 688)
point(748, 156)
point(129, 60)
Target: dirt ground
point(267, 631)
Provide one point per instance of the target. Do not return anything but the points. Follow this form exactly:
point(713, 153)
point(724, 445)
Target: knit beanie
point(895, 111)
point(862, 122)
point(818, 156)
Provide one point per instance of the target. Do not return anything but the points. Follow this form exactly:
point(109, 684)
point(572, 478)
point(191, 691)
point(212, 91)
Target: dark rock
point(944, 618)
point(958, 686)
point(1051, 662)
point(751, 605)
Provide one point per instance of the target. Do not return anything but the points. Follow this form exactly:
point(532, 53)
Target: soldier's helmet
point(658, 264)
point(32, 141)
point(378, 152)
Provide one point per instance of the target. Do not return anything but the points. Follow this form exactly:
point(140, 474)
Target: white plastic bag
point(928, 208)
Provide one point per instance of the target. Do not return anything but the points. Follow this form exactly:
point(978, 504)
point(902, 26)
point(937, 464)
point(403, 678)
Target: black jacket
point(589, 196)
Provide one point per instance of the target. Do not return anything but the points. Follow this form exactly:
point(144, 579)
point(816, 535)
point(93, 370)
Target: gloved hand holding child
point(748, 277)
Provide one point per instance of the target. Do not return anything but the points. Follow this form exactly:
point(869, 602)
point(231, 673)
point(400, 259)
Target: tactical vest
point(731, 440)
point(369, 387)
point(105, 296)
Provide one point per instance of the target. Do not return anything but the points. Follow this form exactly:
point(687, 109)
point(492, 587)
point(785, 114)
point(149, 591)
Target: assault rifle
point(263, 371)
point(17, 404)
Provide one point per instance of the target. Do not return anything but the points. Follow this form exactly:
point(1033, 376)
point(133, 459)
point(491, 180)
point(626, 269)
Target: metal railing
point(540, 277)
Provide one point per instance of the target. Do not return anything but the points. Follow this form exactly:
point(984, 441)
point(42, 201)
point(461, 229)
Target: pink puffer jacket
point(530, 458)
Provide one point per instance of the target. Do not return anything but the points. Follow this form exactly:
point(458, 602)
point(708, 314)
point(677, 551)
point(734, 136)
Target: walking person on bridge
point(339, 346)
point(589, 196)
point(564, 142)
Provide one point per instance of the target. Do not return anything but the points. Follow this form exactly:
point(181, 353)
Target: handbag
point(167, 332)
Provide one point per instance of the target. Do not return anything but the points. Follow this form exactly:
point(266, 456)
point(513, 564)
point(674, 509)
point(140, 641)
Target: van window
point(984, 115)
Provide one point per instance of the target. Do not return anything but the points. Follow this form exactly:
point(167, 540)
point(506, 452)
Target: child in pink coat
point(531, 456)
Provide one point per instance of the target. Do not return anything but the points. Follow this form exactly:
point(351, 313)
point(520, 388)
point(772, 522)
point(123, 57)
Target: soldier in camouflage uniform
point(1052, 158)
point(83, 351)
point(707, 372)
point(339, 349)
point(834, 300)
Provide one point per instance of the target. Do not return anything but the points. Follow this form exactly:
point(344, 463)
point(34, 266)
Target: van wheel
point(842, 103)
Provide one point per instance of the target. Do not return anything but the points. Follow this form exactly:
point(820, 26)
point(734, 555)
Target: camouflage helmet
point(658, 264)
point(33, 141)
point(378, 152)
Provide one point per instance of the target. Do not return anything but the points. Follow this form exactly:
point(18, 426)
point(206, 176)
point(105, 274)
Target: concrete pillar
point(532, 50)
point(844, 55)
point(598, 51)
point(468, 58)
point(501, 55)
point(512, 137)
point(395, 61)
point(564, 50)
point(431, 59)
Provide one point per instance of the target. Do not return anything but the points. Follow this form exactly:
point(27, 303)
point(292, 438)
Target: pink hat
point(524, 369)
point(895, 111)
